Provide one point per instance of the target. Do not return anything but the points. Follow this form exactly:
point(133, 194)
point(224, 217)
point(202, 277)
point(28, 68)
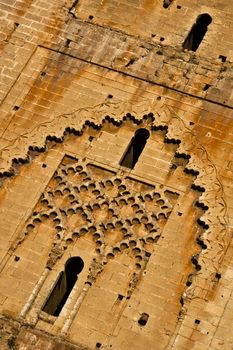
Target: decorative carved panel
point(118, 212)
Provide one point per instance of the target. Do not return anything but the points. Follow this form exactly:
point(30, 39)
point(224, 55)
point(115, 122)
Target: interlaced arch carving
point(206, 181)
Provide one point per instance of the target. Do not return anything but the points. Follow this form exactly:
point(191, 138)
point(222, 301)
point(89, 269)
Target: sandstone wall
point(78, 79)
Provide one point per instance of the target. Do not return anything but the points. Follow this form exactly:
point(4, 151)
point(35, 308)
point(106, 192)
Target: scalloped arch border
point(216, 235)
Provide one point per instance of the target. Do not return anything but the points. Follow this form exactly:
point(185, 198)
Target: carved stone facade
point(155, 239)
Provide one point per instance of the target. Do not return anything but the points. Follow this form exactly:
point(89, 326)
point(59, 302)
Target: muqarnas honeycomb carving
point(119, 212)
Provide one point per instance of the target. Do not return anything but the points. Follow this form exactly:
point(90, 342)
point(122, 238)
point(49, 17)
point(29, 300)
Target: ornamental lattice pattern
point(119, 213)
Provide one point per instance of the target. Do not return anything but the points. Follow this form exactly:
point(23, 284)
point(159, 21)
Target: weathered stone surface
point(78, 80)
point(16, 336)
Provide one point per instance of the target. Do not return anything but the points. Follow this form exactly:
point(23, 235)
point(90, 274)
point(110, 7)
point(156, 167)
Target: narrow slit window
point(135, 148)
point(63, 286)
point(197, 32)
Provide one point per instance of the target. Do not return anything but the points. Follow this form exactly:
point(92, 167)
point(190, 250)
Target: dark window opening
point(143, 319)
point(135, 148)
point(197, 32)
point(63, 286)
point(222, 58)
point(67, 44)
point(167, 3)
point(206, 87)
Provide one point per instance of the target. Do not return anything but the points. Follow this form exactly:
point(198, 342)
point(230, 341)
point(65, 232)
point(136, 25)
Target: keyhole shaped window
point(63, 286)
point(135, 148)
point(197, 32)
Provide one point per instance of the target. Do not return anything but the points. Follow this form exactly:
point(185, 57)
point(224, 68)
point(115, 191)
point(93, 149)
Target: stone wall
point(78, 79)
point(15, 336)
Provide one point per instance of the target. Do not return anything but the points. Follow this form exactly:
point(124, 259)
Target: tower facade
point(116, 175)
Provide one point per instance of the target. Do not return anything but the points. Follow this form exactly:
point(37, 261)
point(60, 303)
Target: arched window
point(135, 148)
point(63, 287)
point(197, 32)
